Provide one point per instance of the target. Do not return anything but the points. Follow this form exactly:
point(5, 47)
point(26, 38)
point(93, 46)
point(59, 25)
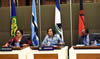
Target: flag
point(34, 25)
point(58, 24)
point(81, 18)
point(13, 23)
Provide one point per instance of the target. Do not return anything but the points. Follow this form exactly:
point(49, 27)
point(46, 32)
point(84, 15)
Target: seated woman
point(52, 39)
point(18, 40)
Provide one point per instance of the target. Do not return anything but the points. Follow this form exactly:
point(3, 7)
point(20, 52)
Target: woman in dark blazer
point(18, 40)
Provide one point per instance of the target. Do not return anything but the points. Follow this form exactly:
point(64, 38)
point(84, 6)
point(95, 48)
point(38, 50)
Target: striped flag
point(58, 24)
point(34, 25)
point(81, 18)
point(13, 23)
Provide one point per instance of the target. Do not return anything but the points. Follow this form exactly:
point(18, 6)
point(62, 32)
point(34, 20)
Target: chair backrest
point(28, 36)
point(95, 36)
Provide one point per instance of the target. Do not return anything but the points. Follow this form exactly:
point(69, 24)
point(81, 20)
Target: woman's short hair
point(52, 30)
point(21, 31)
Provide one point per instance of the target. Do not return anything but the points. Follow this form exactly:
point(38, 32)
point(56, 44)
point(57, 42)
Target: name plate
point(98, 44)
point(45, 48)
point(5, 49)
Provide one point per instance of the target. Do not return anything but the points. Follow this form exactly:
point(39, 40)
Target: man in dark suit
point(85, 38)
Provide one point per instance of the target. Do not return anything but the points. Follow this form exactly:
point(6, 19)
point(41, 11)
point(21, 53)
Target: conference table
point(16, 53)
point(84, 52)
point(34, 53)
point(59, 53)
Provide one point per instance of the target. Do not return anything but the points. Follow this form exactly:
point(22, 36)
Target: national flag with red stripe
point(81, 18)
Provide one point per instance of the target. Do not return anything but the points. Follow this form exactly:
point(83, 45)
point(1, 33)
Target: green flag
point(13, 24)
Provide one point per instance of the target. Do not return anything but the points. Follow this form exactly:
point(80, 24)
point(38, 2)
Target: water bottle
point(17, 44)
point(48, 44)
point(95, 42)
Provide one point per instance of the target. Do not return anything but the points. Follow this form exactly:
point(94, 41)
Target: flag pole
point(59, 1)
point(10, 7)
point(10, 14)
point(39, 20)
point(71, 28)
point(17, 3)
point(37, 2)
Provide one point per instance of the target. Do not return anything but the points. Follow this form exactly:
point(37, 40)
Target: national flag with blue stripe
point(34, 25)
point(13, 23)
point(58, 24)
